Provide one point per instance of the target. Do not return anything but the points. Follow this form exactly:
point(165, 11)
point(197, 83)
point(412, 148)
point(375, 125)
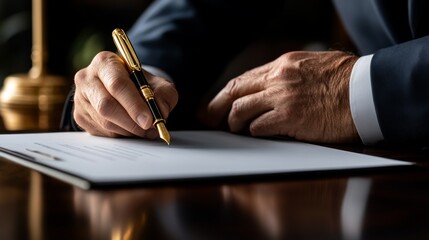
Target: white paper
point(192, 154)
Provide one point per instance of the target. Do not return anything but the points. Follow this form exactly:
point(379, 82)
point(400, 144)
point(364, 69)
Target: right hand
point(107, 103)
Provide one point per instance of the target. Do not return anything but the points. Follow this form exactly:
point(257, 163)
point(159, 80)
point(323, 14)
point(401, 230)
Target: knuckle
point(255, 128)
point(230, 89)
point(105, 106)
point(293, 56)
point(235, 114)
point(288, 57)
point(115, 84)
point(80, 119)
point(111, 70)
point(103, 57)
point(236, 107)
point(106, 124)
point(80, 76)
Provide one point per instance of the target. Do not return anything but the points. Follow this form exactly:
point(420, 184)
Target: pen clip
point(126, 50)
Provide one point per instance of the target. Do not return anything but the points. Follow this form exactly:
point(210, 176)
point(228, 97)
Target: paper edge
point(75, 181)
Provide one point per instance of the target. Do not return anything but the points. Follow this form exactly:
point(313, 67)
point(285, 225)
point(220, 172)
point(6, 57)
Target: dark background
point(77, 29)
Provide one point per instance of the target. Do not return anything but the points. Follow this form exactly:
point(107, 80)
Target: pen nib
point(163, 133)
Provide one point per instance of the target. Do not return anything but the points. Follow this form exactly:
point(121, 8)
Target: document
point(88, 161)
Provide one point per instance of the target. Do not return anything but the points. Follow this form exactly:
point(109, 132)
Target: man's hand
point(107, 103)
point(304, 95)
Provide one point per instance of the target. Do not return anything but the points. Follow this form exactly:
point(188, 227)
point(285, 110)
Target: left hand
point(304, 95)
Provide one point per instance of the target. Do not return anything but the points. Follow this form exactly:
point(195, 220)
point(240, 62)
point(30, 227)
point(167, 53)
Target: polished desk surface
point(379, 204)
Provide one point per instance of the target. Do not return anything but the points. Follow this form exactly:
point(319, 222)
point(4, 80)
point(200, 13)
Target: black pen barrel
point(155, 110)
point(139, 78)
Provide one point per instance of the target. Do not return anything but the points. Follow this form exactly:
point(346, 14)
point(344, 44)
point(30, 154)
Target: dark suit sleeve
point(67, 122)
point(400, 82)
point(397, 32)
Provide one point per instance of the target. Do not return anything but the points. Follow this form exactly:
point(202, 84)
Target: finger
point(247, 108)
point(243, 85)
point(107, 112)
point(165, 93)
point(89, 120)
point(115, 78)
point(110, 115)
point(88, 124)
point(271, 123)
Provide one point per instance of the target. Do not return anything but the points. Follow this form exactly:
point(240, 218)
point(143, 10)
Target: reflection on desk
point(324, 209)
point(257, 211)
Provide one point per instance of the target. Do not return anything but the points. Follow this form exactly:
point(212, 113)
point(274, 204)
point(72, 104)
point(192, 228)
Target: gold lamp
point(37, 89)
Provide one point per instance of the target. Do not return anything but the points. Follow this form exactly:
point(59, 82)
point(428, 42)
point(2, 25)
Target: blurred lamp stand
point(35, 91)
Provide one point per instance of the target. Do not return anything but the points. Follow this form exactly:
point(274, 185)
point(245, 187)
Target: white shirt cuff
point(157, 72)
point(362, 103)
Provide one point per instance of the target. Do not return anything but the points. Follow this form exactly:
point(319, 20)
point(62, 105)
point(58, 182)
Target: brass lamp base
point(23, 91)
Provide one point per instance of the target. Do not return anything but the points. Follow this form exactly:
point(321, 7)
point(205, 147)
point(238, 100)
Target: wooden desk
point(358, 205)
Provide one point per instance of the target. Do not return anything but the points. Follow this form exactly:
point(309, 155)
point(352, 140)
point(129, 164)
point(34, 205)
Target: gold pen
point(129, 56)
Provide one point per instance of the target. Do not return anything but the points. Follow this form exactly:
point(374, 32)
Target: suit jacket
point(397, 33)
point(193, 40)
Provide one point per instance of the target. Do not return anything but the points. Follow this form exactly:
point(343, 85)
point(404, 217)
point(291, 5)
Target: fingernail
point(142, 121)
